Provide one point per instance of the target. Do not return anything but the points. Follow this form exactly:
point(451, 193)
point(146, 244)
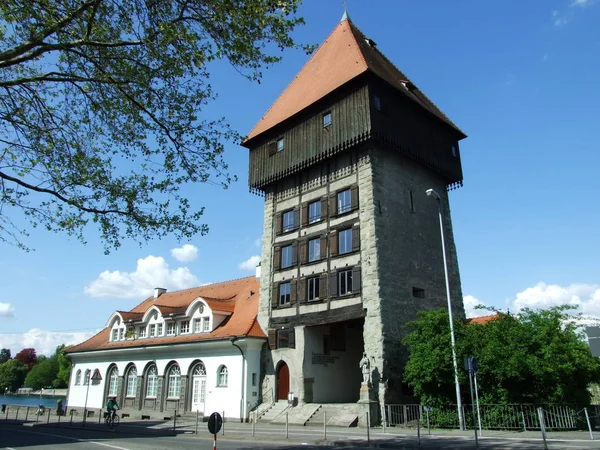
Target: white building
point(192, 350)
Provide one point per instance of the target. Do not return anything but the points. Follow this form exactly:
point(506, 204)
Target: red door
point(283, 381)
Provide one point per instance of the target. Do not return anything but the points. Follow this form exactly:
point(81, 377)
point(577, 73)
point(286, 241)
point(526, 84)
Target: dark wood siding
point(404, 126)
point(308, 142)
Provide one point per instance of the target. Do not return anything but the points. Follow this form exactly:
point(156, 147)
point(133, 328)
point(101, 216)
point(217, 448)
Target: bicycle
point(111, 419)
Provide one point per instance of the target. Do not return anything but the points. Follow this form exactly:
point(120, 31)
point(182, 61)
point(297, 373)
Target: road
point(18, 436)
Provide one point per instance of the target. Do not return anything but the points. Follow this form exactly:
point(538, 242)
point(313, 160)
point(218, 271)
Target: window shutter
point(303, 251)
point(304, 215)
point(355, 237)
point(278, 224)
point(292, 338)
point(354, 197)
point(333, 284)
point(275, 296)
point(333, 243)
point(302, 291)
point(272, 332)
point(324, 204)
point(356, 280)
point(333, 205)
point(293, 293)
point(323, 253)
point(296, 218)
point(323, 286)
point(277, 258)
point(295, 253)
point(272, 148)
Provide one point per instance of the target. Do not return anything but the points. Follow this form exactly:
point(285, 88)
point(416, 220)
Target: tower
point(351, 243)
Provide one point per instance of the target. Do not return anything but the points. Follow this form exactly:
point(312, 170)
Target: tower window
point(288, 221)
point(345, 282)
point(313, 288)
point(377, 102)
point(418, 292)
point(286, 256)
point(345, 241)
point(314, 250)
point(285, 292)
point(344, 200)
point(280, 144)
point(314, 211)
point(327, 119)
point(454, 150)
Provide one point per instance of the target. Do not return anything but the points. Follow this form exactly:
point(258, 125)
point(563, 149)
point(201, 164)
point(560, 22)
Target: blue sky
point(520, 78)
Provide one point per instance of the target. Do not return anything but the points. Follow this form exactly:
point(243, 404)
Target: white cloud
point(6, 310)
point(470, 303)
point(250, 263)
point(150, 272)
point(44, 342)
point(586, 297)
point(582, 3)
point(559, 19)
point(186, 253)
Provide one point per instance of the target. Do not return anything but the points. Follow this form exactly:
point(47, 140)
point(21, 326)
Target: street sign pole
point(215, 421)
point(477, 403)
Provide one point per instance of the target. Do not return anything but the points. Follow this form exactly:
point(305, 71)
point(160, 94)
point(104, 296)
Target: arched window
point(222, 376)
point(78, 377)
point(174, 382)
point(199, 370)
point(86, 377)
point(113, 382)
point(152, 382)
point(131, 382)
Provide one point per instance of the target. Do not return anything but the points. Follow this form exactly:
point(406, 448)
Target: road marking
point(72, 439)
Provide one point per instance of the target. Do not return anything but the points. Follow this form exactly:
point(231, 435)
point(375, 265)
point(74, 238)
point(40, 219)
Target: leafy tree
point(12, 375)
point(102, 109)
point(28, 357)
point(4, 355)
point(42, 374)
point(64, 368)
point(533, 357)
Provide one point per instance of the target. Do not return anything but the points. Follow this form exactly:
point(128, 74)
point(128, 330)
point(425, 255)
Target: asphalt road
point(18, 436)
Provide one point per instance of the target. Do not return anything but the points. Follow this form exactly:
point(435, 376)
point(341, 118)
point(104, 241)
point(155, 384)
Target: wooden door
point(283, 381)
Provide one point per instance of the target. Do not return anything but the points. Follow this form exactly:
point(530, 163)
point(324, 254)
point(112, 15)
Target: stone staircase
point(336, 415)
point(274, 411)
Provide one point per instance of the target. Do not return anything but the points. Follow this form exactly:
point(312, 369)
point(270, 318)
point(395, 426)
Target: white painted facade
point(235, 398)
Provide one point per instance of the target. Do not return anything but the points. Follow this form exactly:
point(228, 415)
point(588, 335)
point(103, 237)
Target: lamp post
point(461, 419)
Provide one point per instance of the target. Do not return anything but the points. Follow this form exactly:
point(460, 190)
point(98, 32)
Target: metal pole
point(428, 427)
point(197, 418)
point(223, 432)
point(175, 422)
point(542, 426)
point(17, 414)
point(587, 418)
point(254, 424)
point(368, 431)
point(473, 407)
point(419, 429)
point(26, 413)
point(477, 403)
point(87, 391)
point(461, 419)
point(48, 420)
point(286, 425)
point(325, 425)
point(383, 417)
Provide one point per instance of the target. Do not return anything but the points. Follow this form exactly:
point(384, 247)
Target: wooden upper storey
point(367, 98)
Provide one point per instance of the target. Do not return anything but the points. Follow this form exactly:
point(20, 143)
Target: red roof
point(484, 319)
point(239, 297)
point(344, 55)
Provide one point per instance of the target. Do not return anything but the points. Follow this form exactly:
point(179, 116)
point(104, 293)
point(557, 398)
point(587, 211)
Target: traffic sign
point(96, 376)
point(215, 421)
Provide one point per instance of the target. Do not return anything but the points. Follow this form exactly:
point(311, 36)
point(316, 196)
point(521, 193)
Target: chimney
point(258, 271)
point(158, 292)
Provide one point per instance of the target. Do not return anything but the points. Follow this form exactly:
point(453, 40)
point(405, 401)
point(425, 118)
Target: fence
point(493, 417)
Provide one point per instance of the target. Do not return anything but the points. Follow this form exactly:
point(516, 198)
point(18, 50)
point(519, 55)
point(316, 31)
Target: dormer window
point(171, 329)
point(152, 330)
point(197, 325)
point(142, 332)
point(184, 327)
point(205, 323)
point(159, 329)
point(115, 334)
point(326, 119)
point(121, 334)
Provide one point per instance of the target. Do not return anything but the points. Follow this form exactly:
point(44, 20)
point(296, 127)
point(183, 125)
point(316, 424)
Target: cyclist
point(111, 407)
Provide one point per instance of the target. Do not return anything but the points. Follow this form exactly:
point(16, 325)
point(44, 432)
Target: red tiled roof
point(343, 56)
point(240, 297)
point(484, 319)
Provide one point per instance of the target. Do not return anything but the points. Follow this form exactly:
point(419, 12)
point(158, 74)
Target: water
point(31, 400)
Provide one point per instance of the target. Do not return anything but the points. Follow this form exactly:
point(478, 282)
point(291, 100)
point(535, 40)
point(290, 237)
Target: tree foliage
point(102, 109)
point(43, 374)
point(28, 357)
point(12, 375)
point(4, 355)
point(537, 356)
point(64, 368)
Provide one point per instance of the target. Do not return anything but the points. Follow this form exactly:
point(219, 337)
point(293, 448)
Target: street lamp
point(461, 420)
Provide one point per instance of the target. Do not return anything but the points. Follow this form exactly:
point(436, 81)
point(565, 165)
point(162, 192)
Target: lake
point(31, 400)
